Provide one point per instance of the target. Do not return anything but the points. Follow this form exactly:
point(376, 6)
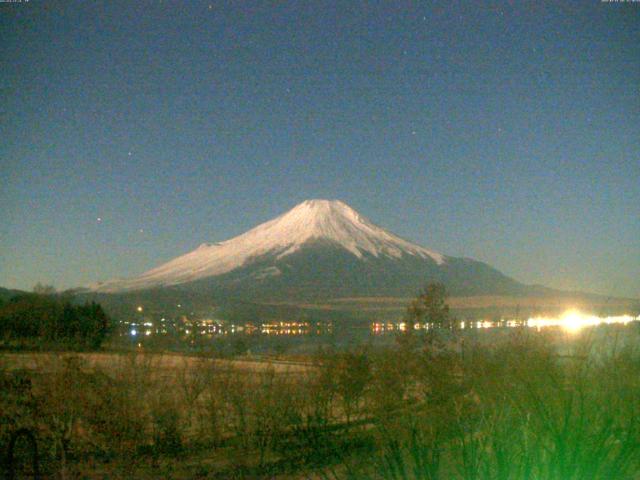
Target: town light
point(573, 321)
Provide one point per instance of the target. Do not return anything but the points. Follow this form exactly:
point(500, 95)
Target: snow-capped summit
point(334, 221)
point(329, 221)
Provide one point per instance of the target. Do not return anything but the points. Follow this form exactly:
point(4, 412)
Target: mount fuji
point(318, 249)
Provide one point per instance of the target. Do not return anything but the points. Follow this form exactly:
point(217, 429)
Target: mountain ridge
point(311, 220)
point(318, 249)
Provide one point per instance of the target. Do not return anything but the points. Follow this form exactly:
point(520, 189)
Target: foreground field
point(154, 362)
point(437, 406)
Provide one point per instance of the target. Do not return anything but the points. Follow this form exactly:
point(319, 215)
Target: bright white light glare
point(133, 332)
point(573, 321)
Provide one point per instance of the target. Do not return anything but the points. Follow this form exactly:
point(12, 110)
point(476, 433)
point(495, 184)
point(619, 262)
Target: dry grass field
point(497, 303)
point(156, 362)
point(423, 408)
point(144, 415)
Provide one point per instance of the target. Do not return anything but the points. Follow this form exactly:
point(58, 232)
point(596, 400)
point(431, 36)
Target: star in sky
point(211, 154)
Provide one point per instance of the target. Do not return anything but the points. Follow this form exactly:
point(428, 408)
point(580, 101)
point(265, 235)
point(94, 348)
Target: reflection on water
point(192, 330)
point(571, 321)
point(296, 328)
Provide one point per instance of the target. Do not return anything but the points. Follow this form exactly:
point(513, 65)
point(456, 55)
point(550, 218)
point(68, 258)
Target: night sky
point(133, 131)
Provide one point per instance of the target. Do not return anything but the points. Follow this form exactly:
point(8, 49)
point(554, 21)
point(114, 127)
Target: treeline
point(49, 320)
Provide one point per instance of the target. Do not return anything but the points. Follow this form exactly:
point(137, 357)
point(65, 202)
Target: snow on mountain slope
point(311, 220)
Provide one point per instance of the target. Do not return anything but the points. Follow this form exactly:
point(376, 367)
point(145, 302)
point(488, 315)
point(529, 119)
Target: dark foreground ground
point(511, 404)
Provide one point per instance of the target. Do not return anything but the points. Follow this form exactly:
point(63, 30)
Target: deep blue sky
point(508, 132)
